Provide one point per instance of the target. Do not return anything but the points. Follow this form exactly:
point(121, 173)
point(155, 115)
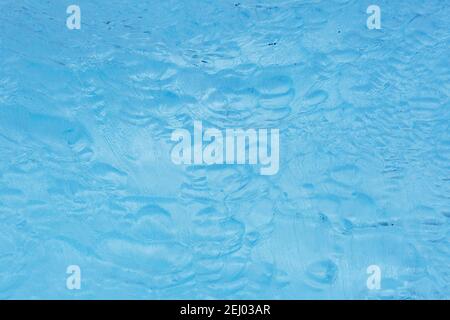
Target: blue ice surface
point(86, 176)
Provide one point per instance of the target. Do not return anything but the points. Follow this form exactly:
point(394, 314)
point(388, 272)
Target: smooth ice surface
point(85, 171)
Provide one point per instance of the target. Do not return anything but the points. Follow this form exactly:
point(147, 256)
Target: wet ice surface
point(86, 177)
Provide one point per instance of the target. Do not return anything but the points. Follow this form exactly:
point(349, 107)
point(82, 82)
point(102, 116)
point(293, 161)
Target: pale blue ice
point(86, 176)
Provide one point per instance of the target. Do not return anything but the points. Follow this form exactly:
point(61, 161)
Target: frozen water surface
point(86, 176)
